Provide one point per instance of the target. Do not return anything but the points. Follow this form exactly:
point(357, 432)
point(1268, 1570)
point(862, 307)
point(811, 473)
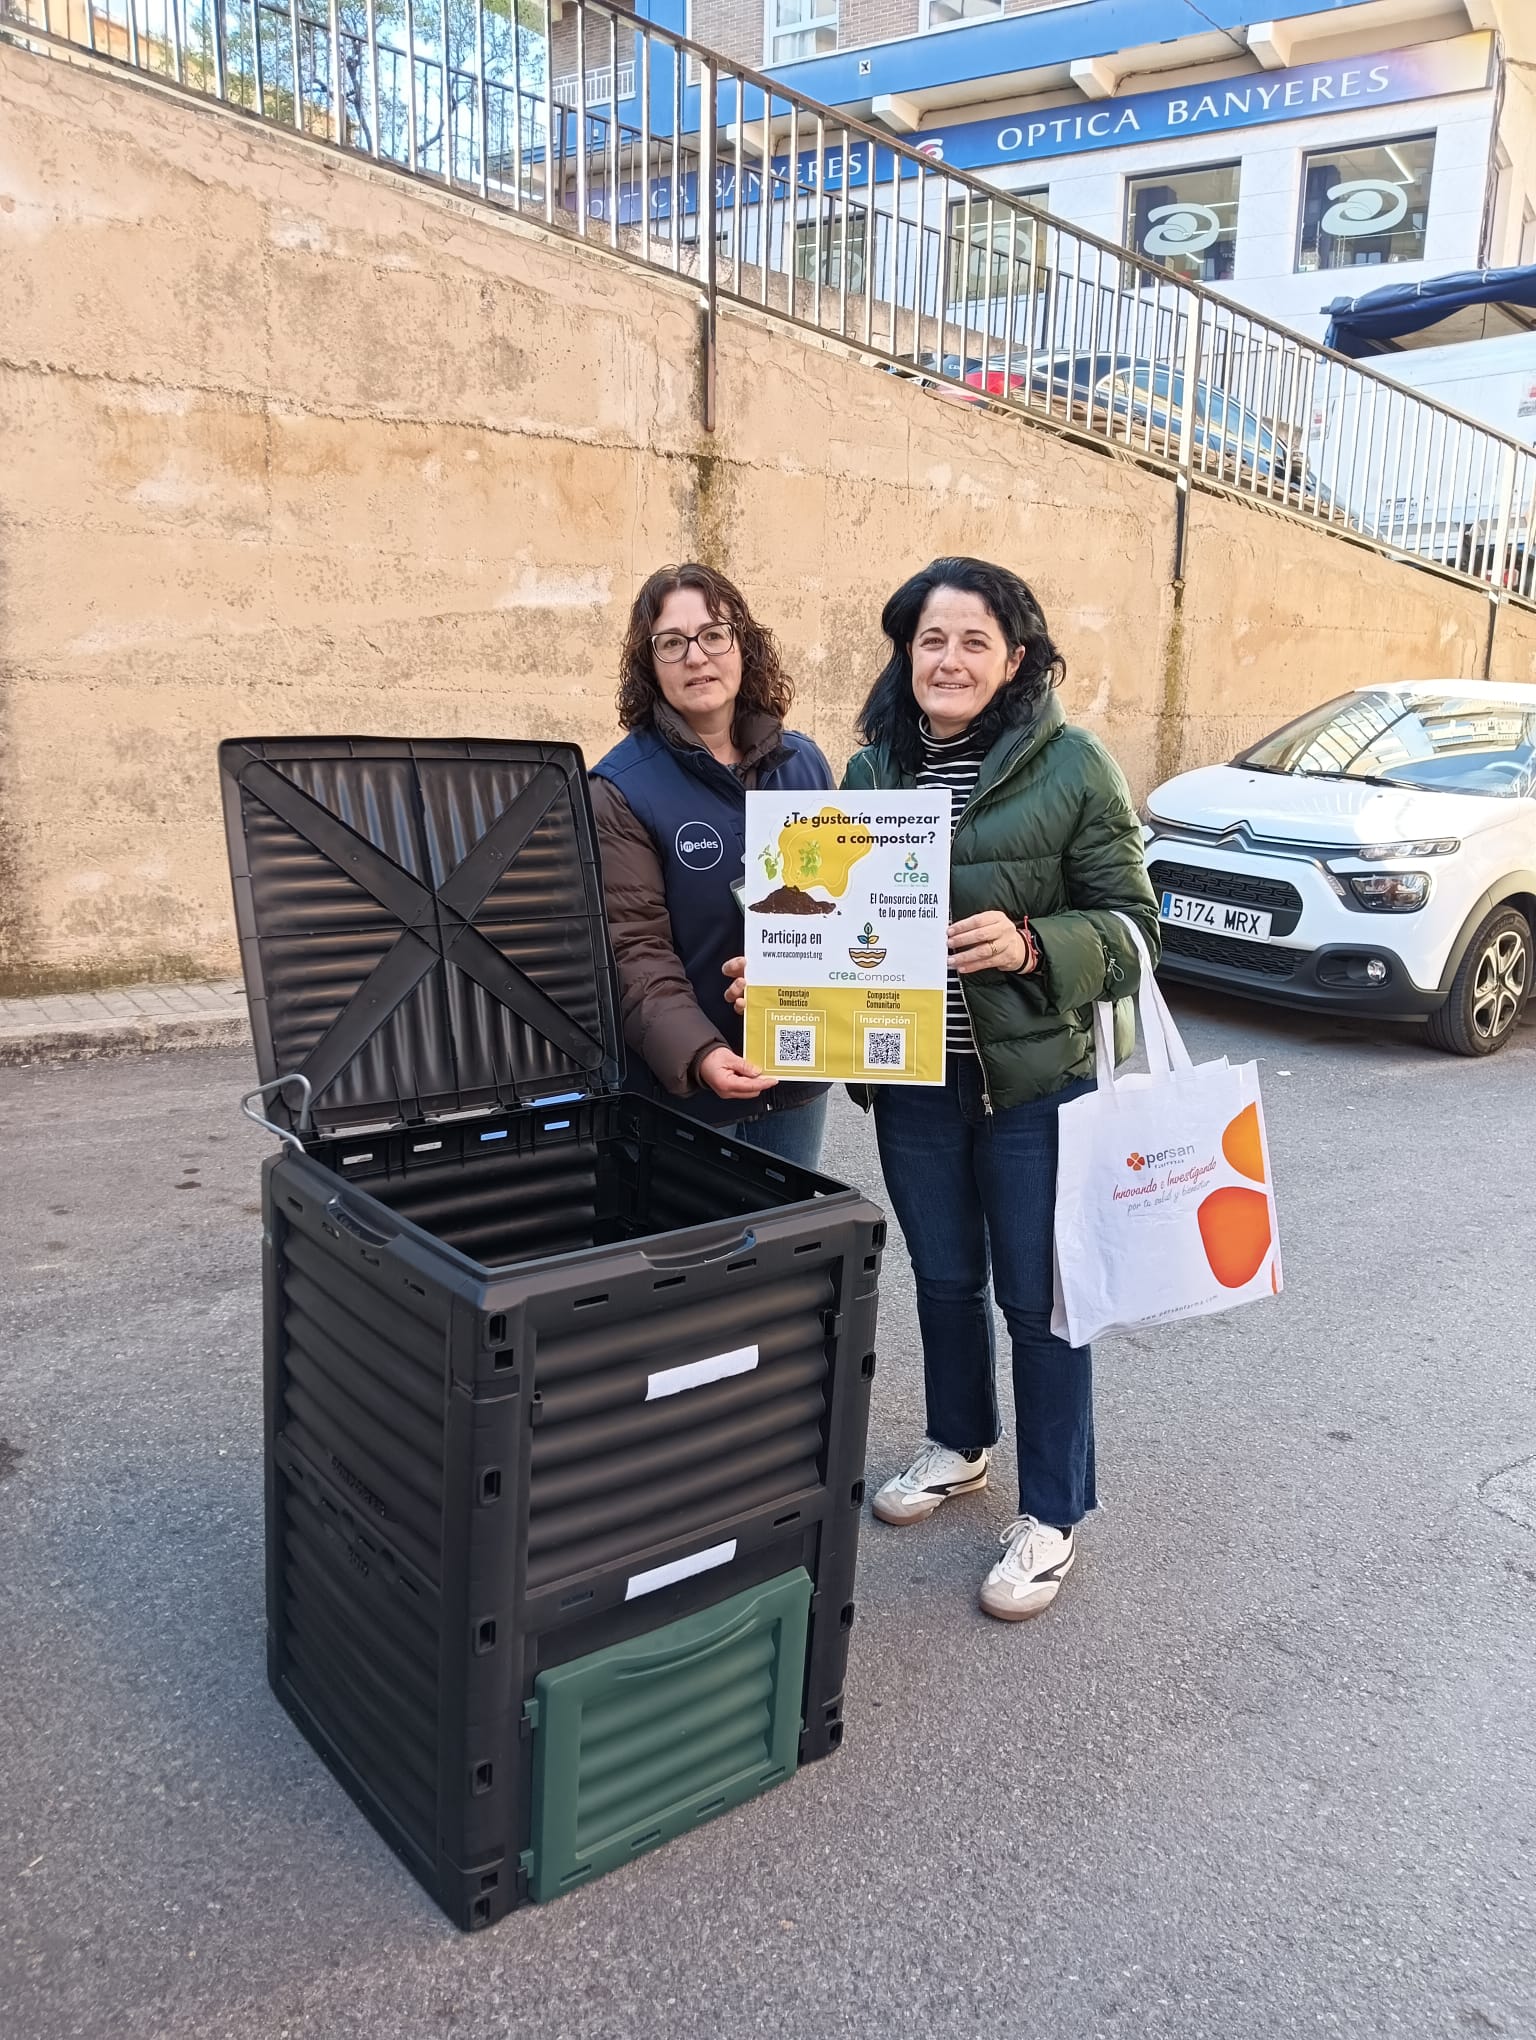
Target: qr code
point(885, 1048)
point(794, 1047)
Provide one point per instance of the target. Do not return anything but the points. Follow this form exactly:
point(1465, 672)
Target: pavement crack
point(1511, 1493)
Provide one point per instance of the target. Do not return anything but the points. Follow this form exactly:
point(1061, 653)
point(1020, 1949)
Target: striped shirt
point(954, 763)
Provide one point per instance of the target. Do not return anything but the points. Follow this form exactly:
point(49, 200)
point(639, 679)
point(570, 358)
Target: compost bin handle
point(702, 1259)
point(359, 1229)
point(280, 1084)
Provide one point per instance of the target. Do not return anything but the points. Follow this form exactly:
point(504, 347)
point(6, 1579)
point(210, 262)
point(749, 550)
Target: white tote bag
point(1165, 1207)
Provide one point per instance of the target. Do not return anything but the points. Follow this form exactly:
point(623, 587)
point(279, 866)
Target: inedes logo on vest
point(699, 846)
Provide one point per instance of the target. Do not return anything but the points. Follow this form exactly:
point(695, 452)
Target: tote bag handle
point(1165, 1045)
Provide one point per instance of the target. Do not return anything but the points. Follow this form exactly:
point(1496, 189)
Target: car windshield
point(1438, 740)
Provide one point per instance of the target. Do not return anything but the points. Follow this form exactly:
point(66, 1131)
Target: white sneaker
point(1028, 1576)
point(936, 1475)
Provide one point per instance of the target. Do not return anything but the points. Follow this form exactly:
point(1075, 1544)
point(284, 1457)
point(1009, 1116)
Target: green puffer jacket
point(1049, 832)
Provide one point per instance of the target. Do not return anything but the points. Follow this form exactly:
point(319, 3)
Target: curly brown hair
point(765, 686)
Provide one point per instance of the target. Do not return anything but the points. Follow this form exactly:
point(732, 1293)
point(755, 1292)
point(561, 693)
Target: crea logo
point(910, 873)
point(699, 846)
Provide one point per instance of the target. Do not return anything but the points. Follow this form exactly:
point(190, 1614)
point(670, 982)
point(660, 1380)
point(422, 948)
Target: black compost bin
point(566, 1395)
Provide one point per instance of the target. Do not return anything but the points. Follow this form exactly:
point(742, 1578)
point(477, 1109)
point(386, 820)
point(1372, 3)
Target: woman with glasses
point(703, 697)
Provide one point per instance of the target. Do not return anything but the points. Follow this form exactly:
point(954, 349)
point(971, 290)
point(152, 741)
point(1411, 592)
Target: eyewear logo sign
point(1365, 205)
point(1186, 229)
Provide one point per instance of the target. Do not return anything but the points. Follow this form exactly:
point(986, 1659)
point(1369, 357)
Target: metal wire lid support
point(277, 1087)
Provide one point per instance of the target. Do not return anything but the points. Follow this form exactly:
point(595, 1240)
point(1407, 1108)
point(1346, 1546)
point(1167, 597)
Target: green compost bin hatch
point(646, 1739)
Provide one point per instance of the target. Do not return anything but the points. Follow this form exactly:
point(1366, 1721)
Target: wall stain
point(19, 935)
point(21, 980)
point(711, 510)
point(1173, 692)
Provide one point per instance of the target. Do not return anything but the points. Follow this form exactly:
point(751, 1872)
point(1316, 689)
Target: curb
point(91, 1041)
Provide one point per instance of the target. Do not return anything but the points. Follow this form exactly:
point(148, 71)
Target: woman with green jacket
point(1047, 855)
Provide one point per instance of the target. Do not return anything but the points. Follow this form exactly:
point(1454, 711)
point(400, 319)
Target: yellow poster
point(847, 908)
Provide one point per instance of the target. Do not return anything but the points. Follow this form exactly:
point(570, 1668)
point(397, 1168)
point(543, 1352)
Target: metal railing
point(599, 87)
point(707, 169)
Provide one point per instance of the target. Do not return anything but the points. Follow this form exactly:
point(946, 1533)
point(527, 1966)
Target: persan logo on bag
point(1162, 1159)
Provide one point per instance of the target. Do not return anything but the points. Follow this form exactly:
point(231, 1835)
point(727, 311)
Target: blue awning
point(1371, 324)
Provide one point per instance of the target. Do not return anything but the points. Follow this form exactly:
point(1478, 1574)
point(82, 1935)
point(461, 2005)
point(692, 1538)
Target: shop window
point(832, 242)
point(1186, 221)
point(1365, 206)
point(980, 269)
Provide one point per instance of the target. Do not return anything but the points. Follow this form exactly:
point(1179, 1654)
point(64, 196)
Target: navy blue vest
point(695, 811)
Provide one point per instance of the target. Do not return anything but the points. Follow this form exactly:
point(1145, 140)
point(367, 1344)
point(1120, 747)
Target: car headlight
point(1392, 892)
point(1384, 853)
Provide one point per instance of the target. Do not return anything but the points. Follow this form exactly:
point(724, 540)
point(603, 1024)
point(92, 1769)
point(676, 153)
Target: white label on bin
point(679, 1569)
point(694, 1373)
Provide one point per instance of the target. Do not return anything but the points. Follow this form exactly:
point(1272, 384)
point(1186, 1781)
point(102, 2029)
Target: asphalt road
point(1268, 1767)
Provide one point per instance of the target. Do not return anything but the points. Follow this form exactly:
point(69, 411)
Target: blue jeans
point(976, 1196)
point(794, 1136)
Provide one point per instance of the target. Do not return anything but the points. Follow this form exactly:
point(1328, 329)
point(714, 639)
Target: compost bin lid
point(421, 924)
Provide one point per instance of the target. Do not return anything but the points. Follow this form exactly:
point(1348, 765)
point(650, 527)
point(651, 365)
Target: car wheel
point(1489, 990)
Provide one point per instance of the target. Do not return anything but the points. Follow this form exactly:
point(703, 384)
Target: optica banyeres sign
point(1344, 86)
point(1255, 99)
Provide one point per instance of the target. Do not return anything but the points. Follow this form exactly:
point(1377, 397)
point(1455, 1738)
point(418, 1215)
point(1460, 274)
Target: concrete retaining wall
point(292, 444)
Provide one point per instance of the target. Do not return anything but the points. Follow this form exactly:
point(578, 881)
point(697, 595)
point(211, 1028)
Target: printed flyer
point(847, 906)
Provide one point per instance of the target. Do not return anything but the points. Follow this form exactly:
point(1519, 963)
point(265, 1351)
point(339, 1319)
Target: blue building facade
point(1281, 160)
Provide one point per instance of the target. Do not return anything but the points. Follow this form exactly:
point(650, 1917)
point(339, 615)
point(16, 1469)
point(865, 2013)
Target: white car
point(1377, 856)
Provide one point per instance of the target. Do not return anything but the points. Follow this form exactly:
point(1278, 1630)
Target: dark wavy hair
point(891, 717)
point(765, 686)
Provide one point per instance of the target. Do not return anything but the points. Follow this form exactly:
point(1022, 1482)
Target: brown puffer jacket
point(667, 1028)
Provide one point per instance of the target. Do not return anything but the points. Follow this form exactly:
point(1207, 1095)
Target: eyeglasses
point(712, 640)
